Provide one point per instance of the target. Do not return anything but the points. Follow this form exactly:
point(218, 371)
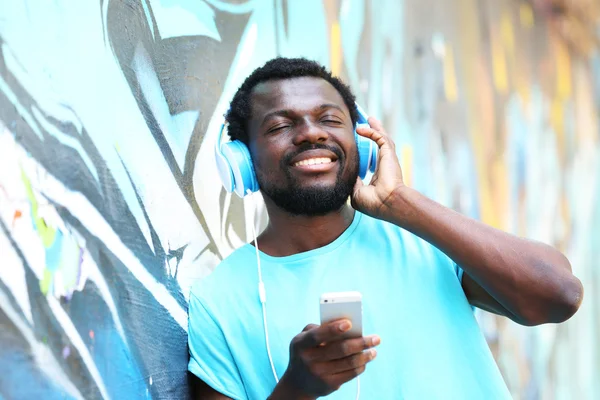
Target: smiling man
point(419, 266)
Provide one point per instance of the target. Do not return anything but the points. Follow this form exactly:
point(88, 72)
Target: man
point(401, 250)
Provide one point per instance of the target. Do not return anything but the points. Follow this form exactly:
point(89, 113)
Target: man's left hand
point(374, 199)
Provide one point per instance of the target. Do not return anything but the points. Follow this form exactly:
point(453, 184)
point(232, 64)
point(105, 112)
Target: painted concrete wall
point(110, 206)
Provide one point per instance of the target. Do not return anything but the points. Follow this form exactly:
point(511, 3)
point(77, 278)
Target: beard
point(313, 200)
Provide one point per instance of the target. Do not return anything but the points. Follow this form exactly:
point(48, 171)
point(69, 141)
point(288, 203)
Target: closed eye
point(277, 128)
point(332, 121)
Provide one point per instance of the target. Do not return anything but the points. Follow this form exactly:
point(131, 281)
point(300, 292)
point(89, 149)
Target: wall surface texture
point(110, 207)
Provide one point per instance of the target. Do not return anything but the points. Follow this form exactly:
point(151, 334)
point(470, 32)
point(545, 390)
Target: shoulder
point(229, 276)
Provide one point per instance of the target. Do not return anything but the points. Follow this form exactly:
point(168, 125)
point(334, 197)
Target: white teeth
point(313, 161)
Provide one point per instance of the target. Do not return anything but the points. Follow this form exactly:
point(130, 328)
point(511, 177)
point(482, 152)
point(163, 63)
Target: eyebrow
point(287, 113)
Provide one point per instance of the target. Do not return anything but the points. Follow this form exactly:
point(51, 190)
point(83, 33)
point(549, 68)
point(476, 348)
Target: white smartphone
point(338, 305)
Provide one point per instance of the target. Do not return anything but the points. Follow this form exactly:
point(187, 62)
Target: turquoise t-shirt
point(431, 345)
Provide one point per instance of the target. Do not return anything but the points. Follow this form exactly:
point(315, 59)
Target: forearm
point(533, 281)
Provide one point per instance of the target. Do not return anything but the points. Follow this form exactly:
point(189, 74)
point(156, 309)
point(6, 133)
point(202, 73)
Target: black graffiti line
point(158, 248)
point(140, 311)
point(169, 157)
point(201, 253)
point(182, 179)
point(43, 315)
point(106, 197)
point(45, 154)
point(178, 255)
point(3, 286)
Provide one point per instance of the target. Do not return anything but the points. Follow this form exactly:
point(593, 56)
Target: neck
point(288, 234)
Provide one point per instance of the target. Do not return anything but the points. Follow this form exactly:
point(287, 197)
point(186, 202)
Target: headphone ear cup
point(242, 170)
point(373, 155)
point(224, 169)
point(367, 155)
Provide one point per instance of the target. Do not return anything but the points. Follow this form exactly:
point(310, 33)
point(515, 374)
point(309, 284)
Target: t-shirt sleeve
point(459, 272)
point(210, 356)
point(446, 262)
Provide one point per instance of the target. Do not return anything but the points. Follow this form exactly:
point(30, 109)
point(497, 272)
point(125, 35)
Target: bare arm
point(201, 391)
point(527, 281)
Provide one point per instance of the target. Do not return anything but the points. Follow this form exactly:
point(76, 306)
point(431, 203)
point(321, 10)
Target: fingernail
point(373, 353)
point(376, 340)
point(344, 326)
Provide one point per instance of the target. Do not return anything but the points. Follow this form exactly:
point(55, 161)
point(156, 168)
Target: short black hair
point(240, 108)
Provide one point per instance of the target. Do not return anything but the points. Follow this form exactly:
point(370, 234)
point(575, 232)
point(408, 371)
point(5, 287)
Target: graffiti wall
point(110, 207)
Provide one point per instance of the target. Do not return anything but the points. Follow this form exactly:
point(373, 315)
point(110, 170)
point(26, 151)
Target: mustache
point(287, 159)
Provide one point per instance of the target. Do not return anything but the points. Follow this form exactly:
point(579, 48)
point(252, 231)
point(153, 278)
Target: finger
point(309, 327)
point(359, 183)
point(375, 124)
point(345, 348)
point(324, 333)
point(378, 137)
point(351, 363)
point(341, 378)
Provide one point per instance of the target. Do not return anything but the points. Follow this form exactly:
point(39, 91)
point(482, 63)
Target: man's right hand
point(321, 361)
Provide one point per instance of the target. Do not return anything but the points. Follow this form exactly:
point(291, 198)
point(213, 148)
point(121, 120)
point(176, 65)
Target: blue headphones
point(237, 171)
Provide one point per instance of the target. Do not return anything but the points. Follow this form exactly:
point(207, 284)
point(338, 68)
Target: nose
point(309, 132)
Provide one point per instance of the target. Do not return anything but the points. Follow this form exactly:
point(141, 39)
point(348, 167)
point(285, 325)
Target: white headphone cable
point(262, 293)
